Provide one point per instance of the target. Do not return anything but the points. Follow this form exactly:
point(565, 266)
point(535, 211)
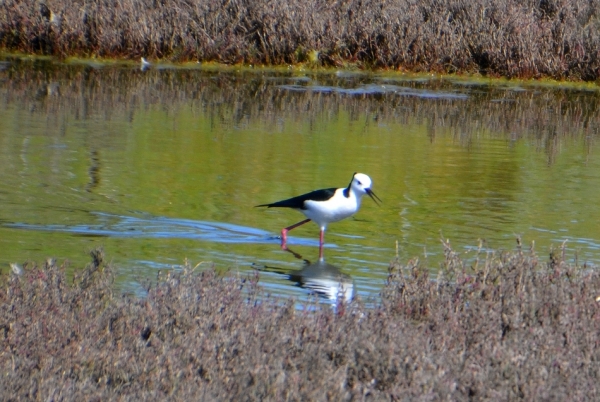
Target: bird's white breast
point(335, 209)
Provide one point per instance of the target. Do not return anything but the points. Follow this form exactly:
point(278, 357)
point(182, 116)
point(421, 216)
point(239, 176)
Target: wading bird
point(327, 205)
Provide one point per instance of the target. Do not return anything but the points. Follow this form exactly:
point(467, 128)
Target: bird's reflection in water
point(320, 278)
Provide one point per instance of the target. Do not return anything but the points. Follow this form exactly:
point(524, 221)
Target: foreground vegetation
point(510, 38)
point(508, 327)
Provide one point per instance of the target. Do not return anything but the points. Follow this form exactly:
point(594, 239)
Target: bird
point(145, 64)
point(327, 205)
point(16, 269)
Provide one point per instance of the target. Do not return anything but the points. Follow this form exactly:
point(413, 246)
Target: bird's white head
point(361, 185)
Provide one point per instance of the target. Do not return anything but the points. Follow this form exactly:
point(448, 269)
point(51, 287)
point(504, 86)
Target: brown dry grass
point(511, 38)
point(509, 327)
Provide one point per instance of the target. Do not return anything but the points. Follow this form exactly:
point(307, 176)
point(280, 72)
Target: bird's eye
point(359, 183)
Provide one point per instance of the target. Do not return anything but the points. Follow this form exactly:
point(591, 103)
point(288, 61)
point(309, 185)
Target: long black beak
point(373, 196)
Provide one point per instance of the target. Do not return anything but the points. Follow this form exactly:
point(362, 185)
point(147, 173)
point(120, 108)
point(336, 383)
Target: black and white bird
point(327, 205)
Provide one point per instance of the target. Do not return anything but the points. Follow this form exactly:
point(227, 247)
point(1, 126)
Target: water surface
point(161, 165)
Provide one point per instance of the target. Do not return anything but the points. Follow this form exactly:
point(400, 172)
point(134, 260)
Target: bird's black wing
point(298, 202)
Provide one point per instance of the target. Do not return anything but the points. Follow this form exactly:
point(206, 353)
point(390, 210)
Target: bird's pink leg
point(321, 242)
point(284, 232)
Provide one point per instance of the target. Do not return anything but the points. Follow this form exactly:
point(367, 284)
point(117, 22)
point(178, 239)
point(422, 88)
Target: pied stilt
point(327, 205)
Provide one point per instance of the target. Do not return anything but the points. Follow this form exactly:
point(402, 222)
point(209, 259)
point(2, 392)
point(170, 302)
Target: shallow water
point(161, 165)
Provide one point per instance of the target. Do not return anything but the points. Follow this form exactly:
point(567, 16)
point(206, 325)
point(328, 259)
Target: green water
point(161, 165)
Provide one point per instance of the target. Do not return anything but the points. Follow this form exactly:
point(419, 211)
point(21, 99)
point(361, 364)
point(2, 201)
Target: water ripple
point(121, 226)
point(376, 89)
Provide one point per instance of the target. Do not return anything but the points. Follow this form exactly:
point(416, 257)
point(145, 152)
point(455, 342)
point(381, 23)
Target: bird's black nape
point(347, 189)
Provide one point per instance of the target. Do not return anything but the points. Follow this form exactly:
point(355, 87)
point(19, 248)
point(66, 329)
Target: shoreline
point(540, 40)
